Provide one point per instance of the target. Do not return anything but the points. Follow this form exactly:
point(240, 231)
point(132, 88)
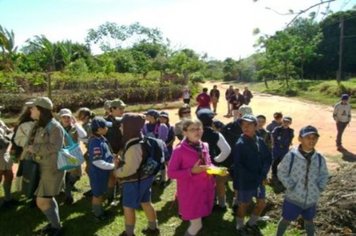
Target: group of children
point(244, 146)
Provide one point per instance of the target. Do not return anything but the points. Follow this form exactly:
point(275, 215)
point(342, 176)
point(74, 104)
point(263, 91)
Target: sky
point(219, 28)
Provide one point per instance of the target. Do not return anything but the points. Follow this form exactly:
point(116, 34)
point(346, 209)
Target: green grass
point(325, 92)
point(77, 219)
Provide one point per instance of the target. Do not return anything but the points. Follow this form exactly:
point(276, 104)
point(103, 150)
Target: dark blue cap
point(164, 114)
point(99, 122)
point(344, 96)
point(205, 113)
point(218, 124)
point(308, 130)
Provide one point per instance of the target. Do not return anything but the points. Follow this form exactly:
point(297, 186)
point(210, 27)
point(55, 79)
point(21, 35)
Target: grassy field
point(78, 220)
point(326, 92)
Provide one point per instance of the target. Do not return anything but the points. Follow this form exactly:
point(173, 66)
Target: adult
point(342, 117)
point(203, 100)
point(229, 93)
point(45, 141)
point(214, 96)
point(186, 95)
point(247, 96)
point(184, 112)
point(236, 101)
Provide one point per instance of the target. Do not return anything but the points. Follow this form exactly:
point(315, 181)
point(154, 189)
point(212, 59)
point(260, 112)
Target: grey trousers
point(340, 126)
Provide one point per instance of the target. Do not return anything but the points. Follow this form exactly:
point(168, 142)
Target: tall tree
point(8, 50)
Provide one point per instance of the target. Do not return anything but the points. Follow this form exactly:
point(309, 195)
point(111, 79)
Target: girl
point(75, 131)
point(195, 188)
point(184, 112)
point(100, 165)
point(45, 141)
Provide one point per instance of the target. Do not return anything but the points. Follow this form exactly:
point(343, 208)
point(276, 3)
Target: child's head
point(218, 125)
point(65, 116)
point(117, 108)
point(344, 98)
point(206, 117)
point(99, 126)
point(84, 114)
point(164, 117)
point(192, 130)
point(261, 121)
point(244, 110)
point(248, 124)
point(286, 121)
point(278, 117)
point(151, 116)
point(131, 126)
point(308, 137)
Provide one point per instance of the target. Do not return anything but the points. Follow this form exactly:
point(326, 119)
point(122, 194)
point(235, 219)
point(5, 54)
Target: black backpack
point(154, 152)
point(231, 132)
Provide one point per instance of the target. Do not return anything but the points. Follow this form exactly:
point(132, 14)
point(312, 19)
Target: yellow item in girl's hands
point(214, 170)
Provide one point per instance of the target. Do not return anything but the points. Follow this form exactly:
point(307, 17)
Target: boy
point(304, 173)
point(342, 117)
point(276, 122)
point(262, 132)
point(252, 161)
point(282, 137)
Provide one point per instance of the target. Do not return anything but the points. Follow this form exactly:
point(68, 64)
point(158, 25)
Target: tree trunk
point(266, 82)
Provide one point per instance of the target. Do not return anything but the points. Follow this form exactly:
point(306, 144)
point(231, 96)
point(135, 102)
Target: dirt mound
point(337, 205)
point(336, 213)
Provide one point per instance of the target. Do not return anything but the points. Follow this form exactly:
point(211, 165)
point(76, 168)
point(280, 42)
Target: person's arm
point(175, 171)
point(283, 172)
point(133, 159)
point(336, 109)
point(163, 132)
point(323, 174)
point(101, 164)
point(225, 149)
point(80, 131)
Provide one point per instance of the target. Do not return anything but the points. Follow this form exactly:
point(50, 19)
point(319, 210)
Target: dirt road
point(302, 112)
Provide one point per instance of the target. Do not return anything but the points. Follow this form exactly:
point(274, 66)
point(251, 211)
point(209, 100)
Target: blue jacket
point(301, 190)
point(282, 138)
point(252, 160)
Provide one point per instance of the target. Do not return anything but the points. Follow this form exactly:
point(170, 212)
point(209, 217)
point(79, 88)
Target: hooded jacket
point(304, 183)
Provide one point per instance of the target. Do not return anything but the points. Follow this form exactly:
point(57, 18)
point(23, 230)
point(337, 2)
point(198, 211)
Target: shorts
point(246, 196)
point(99, 183)
point(291, 212)
point(135, 193)
point(5, 165)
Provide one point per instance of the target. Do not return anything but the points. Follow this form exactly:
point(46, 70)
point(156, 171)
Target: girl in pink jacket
point(195, 188)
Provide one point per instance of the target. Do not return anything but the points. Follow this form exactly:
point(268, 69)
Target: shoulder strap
point(131, 144)
point(319, 160)
point(291, 162)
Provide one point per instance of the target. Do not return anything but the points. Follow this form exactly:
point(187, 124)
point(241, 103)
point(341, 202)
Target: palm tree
point(8, 50)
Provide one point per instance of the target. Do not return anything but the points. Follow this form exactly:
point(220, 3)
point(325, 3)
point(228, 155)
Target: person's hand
point(197, 168)
point(116, 162)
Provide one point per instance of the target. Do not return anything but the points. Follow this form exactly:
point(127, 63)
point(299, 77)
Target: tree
point(8, 50)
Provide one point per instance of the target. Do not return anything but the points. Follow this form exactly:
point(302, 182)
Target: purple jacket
point(195, 192)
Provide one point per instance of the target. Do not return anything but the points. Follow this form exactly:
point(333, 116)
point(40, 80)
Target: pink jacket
point(195, 192)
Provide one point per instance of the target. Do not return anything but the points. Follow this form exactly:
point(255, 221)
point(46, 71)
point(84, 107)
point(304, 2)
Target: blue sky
point(220, 28)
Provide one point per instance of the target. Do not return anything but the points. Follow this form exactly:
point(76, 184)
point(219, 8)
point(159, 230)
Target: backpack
point(292, 161)
point(231, 132)
point(154, 152)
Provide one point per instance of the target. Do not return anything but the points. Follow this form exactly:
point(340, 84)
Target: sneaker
point(151, 232)
point(100, 218)
point(114, 203)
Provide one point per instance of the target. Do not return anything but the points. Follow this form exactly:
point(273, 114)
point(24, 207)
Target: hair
point(85, 112)
point(205, 90)
point(188, 122)
point(183, 108)
point(25, 115)
point(277, 115)
point(261, 117)
point(45, 116)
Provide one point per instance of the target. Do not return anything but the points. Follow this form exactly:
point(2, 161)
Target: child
point(6, 164)
point(184, 112)
point(282, 137)
point(136, 189)
point(304, 173)
point(277, 116)
point(262, 132)
point(100, 165)
point(195, 188)
point(252, 161)
point(164, 119)
point(153, 128)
